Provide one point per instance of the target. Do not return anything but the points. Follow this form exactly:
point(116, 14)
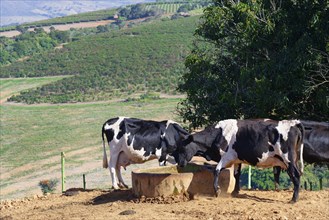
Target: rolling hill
point(17, 12)
point(144, 58)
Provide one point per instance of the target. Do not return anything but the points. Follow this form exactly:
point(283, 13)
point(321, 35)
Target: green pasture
point(12, 86)
point(33, 135)
point(30, 133)
point(35, 132)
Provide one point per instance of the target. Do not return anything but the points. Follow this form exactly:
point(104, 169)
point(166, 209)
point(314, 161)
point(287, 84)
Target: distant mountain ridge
point(14, 12)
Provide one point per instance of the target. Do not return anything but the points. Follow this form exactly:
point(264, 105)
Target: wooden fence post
point(84, 181)
point(63, 170)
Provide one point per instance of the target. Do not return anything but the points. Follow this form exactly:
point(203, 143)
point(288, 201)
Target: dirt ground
point(61, 27)
point(97, 204)
point(65, 27)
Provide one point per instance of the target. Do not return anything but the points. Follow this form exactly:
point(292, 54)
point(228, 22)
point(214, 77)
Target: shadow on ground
point(114, 196)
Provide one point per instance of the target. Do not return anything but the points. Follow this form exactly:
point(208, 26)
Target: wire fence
point(93, 176)
point(25, 183)
point(87, 172)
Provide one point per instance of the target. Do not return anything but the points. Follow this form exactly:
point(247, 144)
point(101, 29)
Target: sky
point(13, 12)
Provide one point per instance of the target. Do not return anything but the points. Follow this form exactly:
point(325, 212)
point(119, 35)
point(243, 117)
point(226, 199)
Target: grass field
point(12, 86)
point(32, 136)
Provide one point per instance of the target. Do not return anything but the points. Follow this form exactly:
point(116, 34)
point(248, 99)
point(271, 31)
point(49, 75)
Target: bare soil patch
point(109, 204)
point(61, 27)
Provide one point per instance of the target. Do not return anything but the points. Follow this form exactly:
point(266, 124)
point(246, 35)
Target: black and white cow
point(133, 140)
point(316, 145)
point(255, 142)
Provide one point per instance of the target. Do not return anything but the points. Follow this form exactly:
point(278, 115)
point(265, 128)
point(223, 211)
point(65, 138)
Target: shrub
point(48, 186)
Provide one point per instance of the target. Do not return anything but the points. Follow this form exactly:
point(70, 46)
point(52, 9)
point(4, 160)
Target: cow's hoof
point(217, 193)
point(293, 201)
point(123, 186)
point(235, 194)
point(115, 187)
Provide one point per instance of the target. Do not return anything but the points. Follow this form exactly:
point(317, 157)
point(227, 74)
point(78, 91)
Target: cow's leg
point(276, 172)
point(121, 183)
point(237, 173)
point(216, 185)
point(228, 158)
point(113, 163)
point(295, 178)
point(217, 171)
point(123, 161)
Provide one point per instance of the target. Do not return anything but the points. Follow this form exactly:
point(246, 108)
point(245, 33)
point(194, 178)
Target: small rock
point(127, 212)
point(71, 193)
point(114, 204)
point(142, 198)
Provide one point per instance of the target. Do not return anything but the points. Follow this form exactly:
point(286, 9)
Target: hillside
point(28, 11)
point(145, 58)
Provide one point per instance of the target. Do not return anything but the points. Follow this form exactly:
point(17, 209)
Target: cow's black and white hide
point(255, 142)
point(316, 146)
point(316, 142)
point(133, 140)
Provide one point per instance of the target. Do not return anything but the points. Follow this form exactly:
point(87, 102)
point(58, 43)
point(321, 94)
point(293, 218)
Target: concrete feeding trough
point(195, 179)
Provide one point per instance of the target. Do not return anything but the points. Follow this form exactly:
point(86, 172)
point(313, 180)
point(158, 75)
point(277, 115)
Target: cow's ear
point(181, 131)
point(219, 142)
point(188, 140)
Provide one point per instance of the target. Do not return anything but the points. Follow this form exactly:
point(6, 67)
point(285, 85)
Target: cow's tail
point(302, 130)
point(105, 161)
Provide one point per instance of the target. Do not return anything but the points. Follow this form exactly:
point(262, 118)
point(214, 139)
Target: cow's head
point(186, 149)
point(173, 135)
point(205, 143)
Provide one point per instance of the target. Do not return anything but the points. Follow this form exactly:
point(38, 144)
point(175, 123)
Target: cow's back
point(109, 128)
point(252, 140)
point(144, 135)
point(316, 144)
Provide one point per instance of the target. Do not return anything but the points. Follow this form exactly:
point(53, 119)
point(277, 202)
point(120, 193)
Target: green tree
point(260, 58)
point(102, 28)
point(22, 29)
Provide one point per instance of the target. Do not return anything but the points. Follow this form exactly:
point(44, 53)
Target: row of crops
point(174, 6)
point(83, 17)
point(168, 8)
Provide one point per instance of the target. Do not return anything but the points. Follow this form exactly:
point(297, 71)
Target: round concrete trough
point(172, 180)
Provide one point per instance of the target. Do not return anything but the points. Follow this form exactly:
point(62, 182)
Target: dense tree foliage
point(264, 178)
point(29, 43)
point(139, 11)
point(259, 59)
